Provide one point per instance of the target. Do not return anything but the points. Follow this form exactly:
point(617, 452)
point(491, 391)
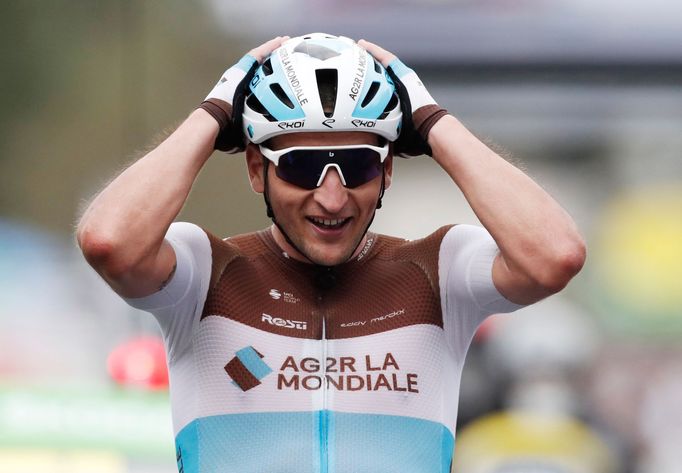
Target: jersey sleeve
point(468, 294)
point(178, 305)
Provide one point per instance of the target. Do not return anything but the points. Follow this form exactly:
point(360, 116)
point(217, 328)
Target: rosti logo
point(275, 294)
point(247, 368)
point(286, 323)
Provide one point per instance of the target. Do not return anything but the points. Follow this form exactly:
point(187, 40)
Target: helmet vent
point(393, 103)
point(377, 67)
point(316, 51)
point(371, 93)
point(327, 85)
point(258, 107)
point(281, 95)
point(267, 67)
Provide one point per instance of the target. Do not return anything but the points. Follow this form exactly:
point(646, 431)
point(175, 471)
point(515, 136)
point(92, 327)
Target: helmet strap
point(381, 191)
point(271, 213)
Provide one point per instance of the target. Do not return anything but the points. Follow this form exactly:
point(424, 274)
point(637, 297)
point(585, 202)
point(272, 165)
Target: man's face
point(327, 223)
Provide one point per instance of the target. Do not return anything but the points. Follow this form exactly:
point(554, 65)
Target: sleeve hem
point(179, 283)
point(481, 283)
point(164, 297)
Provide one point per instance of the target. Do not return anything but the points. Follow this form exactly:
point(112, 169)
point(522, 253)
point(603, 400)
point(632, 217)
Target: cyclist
point(315, 345)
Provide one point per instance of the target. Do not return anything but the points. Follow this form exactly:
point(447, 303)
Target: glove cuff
point(228, 138)
point(425, 117)
point(220, 110)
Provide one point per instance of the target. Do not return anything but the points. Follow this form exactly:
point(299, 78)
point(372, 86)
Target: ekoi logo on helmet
point(247, 368)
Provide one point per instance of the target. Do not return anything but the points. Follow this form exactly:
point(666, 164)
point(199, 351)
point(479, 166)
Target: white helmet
point(319, 82)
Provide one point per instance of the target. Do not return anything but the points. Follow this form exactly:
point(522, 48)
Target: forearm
point(127, 221)
point(536, 237)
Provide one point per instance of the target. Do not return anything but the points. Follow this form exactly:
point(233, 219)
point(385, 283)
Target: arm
point(122, 231)
point(540, 249)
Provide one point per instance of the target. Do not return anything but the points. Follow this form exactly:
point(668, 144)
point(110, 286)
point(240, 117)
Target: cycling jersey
point(276, 367)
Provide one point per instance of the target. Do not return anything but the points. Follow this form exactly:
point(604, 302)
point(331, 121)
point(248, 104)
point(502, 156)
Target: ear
point(254, 164)
point(388, 171)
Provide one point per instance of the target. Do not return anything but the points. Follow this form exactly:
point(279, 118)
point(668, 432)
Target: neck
point(293, 253)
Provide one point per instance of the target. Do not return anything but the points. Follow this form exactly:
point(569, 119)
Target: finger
point(264, 50)
point(383, 56)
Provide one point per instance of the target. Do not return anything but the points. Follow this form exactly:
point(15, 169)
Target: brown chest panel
point(394, 285)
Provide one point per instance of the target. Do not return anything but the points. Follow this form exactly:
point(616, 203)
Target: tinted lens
point(360, 166)
point(303, 168)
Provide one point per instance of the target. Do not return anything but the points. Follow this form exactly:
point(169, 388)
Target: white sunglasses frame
point(274, 154)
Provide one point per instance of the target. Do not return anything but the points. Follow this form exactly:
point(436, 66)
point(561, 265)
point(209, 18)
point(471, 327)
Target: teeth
point(328, 222)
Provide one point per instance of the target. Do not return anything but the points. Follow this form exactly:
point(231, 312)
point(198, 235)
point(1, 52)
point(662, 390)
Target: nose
point(331, 194)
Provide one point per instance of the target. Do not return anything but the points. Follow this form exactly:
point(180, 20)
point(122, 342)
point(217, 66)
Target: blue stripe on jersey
point(187, 453)
point(307, 442)
point(324, 428)
point(245, 443)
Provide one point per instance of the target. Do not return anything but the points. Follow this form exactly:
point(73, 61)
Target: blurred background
point(585, 96)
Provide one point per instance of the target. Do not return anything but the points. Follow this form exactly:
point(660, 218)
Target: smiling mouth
point(329, 223)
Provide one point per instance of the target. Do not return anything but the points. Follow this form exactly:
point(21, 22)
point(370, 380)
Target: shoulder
point(400, 248)
point(423, 252)
point(467, 256)
point(224, 251)
point(463, 241)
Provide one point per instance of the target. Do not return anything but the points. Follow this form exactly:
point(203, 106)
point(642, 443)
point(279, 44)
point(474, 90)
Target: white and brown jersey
point(279, 366)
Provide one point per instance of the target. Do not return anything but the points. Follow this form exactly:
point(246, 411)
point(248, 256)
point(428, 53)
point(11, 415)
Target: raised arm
point(540, 246)
point(122, 231)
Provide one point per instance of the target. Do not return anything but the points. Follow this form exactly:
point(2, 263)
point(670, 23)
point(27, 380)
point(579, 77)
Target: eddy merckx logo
point(247, 368)
point(286, 323)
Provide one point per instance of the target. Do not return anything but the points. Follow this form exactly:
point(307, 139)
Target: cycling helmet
point(319, 82)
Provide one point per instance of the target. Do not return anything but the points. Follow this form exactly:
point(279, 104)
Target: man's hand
point(420, 110)
point(225, 102)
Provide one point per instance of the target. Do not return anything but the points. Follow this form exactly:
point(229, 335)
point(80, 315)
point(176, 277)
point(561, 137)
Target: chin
point(326, 260)
point(324, 257)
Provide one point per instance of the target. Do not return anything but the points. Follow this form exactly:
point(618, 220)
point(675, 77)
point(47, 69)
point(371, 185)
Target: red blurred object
point(487, 327)
point(139, 362)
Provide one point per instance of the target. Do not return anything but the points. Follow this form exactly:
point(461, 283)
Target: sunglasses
point(306, 166)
